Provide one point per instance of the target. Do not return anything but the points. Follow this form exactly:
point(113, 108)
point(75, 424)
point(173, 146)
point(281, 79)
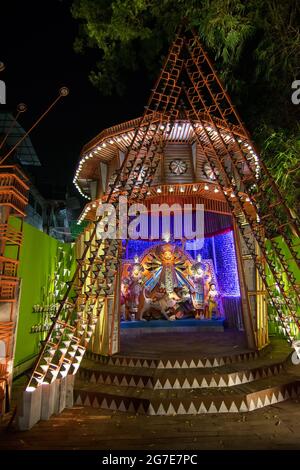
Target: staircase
point(238, 382)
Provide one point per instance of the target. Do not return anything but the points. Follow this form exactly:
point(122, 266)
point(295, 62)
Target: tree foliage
point(255, 45)
point(281, 151)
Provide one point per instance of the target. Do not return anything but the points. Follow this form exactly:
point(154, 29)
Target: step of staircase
point(176, 362)
point(176, 378)
point(238, 382)
point(195, 401)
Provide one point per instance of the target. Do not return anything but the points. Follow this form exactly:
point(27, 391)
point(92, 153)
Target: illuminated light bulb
point(248, 199)
point(94, 205)
point(90, 155)
point(171, 189)
point(216, 190)
point(167, 237)
point(148, 193)
point(30, 389)
point(251, 151)
point(195, 188)
point(162, 128)
point(104, 145)
point(182, 189)
point(206, 187)
point(232, 195)
point(158, 190)
point(136, 258)
point(111, 141)
point(179, 127)
point(118, 139)
point(225, 192)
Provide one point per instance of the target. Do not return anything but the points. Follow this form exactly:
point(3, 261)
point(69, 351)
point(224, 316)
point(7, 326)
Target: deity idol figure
point(197, 281)
point(136, 283)
point(183, 307)
point(212, 300)
point(125, 299)
point(166, 266)
point(158, 305)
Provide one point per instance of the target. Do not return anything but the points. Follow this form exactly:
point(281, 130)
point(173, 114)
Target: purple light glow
point(224, 260)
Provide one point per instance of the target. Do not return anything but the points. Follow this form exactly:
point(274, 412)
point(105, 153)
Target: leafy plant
point(280, 149)
point(255, 43)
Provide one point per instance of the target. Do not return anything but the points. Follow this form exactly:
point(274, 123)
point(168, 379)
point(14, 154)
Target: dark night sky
point(36, 45)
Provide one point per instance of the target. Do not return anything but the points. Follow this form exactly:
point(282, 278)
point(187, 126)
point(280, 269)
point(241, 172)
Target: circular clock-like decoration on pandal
point(178, 167)
point(209, 171)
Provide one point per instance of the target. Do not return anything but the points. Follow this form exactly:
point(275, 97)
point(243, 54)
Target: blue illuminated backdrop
point(219, 248)
point(227, 273)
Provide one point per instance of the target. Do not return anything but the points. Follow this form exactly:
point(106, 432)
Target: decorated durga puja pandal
point(186, 270)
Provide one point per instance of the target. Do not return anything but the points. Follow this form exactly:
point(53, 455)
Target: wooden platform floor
point(276, 427)
point(86, 428)
point(184, 344)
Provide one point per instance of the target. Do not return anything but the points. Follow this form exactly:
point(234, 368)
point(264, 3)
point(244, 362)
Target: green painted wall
point(39, 265)
point(275, 326)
